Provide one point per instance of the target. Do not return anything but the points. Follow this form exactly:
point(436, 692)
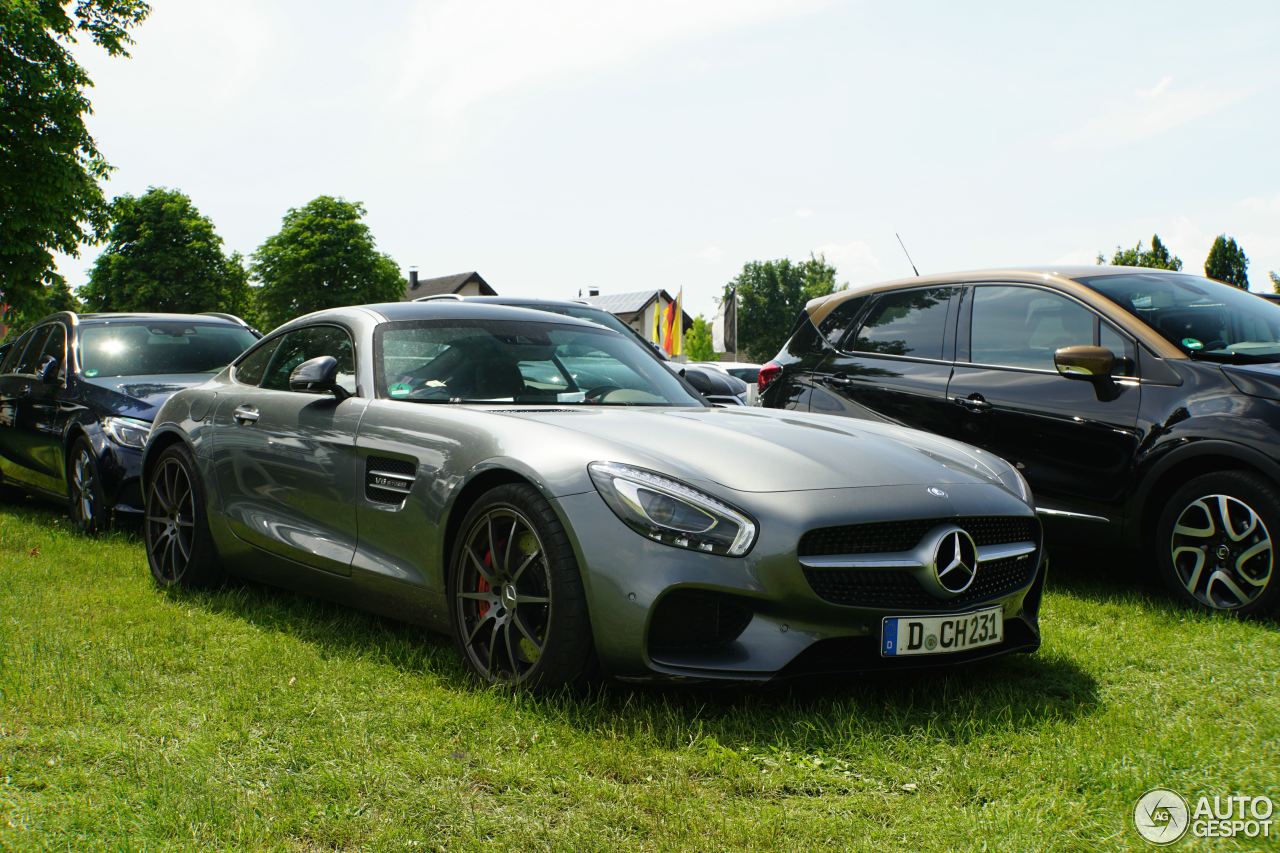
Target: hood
point(138, 396)
point(1256, 380)
point(764, 450)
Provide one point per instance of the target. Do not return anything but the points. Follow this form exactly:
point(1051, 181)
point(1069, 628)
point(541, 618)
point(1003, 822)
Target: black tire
point(180, 549)
point(86, 503)
point(1216, 540)
point(520, 620)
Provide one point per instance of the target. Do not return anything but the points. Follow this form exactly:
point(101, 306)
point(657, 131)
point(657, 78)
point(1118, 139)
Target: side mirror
point(318, 376)
point(47, 372)
point(1084, 362)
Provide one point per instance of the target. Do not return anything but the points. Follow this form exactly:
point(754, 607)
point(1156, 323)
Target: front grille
point(880, 537)
point(899, 589)
point(387, 480)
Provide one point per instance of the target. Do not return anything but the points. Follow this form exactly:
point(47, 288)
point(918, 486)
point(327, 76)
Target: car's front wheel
point(87, 504)
point(1217, 538)
point(180, 550)
point(518, 609)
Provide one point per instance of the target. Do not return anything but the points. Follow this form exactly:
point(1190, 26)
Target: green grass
point(250, 718)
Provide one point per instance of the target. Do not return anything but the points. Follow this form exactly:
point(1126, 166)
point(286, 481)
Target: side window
point(250, 369)
point(35, 347)
point(839, 322)
point(1126, 356)
point(1022, 326)
point(14, 355)
point(56, 345)
point(906, 322)
point(306, 344)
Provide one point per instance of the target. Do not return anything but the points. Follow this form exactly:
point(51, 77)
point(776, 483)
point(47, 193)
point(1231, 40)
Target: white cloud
point(711, 254)
point(1262, 204)
point(1149, 113)
point(1157, 90)
point(854, 262)
point(803, 213)
point(467, 50)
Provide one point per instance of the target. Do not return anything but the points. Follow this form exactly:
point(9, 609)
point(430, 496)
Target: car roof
point(211, 319)
point(1065, 278)
point(443, 309)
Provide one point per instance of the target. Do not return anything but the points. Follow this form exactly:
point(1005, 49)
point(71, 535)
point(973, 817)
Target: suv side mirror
point(699, 381)
point(1084, 362)
point(318, 376)
point(47, 372)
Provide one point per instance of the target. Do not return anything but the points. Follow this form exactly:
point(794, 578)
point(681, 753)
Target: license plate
point(940, 635)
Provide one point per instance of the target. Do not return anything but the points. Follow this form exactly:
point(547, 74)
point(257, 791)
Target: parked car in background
point(713, 384)
point(78, 392)
point(1142, 405)
point(741, 370)
point(549, 494)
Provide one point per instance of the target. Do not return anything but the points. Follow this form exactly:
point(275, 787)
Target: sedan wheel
point(519, 613)
point(87, 508)
point(180, 551)
point(1218, 531)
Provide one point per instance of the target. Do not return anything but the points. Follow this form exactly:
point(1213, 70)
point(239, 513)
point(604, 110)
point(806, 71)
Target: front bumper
point(664, 612)
point(120, 473)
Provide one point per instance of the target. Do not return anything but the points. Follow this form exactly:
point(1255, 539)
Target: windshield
point(461, 361)
point(1205, 319)
point(141, 348)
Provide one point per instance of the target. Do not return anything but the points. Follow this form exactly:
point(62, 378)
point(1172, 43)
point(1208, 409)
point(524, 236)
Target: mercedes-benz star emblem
point(936, 492)
point(956, 562)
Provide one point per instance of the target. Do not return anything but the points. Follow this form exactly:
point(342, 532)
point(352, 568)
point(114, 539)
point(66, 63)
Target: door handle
point(974, 403)
point(839, 380)
point(245, 415)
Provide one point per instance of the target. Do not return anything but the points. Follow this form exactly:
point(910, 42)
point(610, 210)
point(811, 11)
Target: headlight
point(672, 513)
point(127, 432)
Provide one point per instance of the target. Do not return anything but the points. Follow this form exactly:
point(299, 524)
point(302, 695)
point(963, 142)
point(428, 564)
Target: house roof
point(448, 284)
point(626, 303)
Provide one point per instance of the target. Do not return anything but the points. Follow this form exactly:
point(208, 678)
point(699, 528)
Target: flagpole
point(735, 323)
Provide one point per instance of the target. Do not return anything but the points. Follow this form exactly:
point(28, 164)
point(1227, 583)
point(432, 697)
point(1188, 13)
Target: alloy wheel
point(84, 486)
point(1222, 552)
point(503, 596)
point(170, 520)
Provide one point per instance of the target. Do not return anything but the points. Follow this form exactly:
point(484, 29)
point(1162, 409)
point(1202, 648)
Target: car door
point(44, 412)
point(284, 461)
point(894, 363)
point(18, 389)
point(1072, 439)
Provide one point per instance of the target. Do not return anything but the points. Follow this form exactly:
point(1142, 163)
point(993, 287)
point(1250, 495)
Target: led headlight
point(672, 513)
point(127, 432)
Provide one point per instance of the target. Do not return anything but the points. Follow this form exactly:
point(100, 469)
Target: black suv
point(78, 393)
point(1142, 406)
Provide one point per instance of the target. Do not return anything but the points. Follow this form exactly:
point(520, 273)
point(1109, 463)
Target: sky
point(565, 144)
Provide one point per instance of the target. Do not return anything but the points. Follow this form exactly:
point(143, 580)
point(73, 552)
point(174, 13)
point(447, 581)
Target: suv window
point(56, 345)
point(837, 324)
point(305, 344)
point(35, 346)
point(1022, 326)
point(14, 355)
point(250, 369)
point(906, 322)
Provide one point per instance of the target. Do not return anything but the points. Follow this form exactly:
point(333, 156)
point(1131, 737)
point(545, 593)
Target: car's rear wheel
point(518, 609)
point(87, 505)
point(1217, 538)
point(180, 550)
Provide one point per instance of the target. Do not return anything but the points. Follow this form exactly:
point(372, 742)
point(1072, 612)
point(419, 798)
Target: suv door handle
point(974, 403)
point(839, 380)
point(245, 415)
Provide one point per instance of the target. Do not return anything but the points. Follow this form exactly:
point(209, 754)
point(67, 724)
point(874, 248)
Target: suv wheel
point(1217, 538)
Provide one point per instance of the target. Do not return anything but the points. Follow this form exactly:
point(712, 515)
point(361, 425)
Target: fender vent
point(388, 481)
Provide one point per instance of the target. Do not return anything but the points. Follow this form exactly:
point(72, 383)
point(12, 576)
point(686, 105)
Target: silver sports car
point(545, 491)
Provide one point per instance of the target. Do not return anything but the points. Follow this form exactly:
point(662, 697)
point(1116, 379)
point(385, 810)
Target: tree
point(163, 255)
point(323, 257)
point(771, 294)
point(697, 341)
point(1275, 281)
point(1227, 262)
point(1158, 257)
point(50, 166)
